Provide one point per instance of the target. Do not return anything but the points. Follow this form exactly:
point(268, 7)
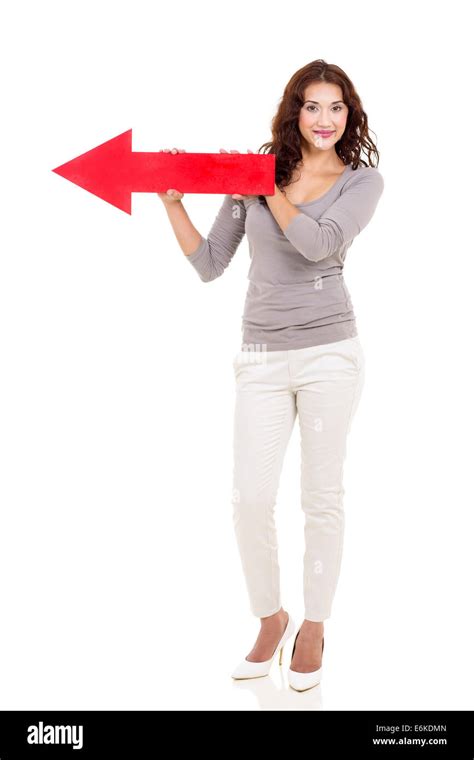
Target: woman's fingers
point(182, 150)
point(234, 151)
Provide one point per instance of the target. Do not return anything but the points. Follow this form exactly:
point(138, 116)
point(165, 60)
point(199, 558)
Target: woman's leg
point(329, 381)
point(265, 411)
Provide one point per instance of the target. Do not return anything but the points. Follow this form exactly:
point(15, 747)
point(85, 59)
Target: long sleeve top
point(296, 295)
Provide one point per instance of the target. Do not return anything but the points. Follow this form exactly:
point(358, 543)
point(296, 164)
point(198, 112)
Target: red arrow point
point(104, 171)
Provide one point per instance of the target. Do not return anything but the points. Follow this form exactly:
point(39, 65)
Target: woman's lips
point(323, 134)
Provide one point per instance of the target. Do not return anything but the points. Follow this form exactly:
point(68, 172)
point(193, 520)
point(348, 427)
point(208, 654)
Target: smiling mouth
point(323, 134)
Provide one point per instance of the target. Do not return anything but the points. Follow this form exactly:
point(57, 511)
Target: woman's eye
point(338, 107)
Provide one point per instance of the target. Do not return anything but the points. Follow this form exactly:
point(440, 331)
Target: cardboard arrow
point(113, 172)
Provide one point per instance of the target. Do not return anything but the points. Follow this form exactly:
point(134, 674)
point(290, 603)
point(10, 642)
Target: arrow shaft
point(199, 172)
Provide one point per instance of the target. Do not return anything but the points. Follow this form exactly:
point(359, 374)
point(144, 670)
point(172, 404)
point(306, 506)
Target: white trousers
point(322, 384)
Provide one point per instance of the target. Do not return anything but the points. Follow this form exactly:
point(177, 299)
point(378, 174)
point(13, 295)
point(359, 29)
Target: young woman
point(300, 353)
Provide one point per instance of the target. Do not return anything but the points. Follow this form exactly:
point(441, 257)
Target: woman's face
point(323, 110)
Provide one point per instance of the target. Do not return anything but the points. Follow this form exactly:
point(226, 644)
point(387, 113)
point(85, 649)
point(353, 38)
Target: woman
point(300, 352)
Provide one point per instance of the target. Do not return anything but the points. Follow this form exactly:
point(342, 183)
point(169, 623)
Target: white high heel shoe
point(247, 669)
point(304, 681)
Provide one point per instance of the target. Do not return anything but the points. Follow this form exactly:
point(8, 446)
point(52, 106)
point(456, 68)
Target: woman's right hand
point(171, 195)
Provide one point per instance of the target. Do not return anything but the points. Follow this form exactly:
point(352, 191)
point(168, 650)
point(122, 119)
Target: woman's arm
point(186, 233)
point(282, 209)
point(211, 255)
point(339, 224)
point(215, 252)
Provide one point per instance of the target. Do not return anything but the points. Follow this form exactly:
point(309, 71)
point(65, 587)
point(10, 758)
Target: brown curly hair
point(286, 136)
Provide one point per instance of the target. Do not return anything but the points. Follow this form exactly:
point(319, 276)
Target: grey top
point(296, 295)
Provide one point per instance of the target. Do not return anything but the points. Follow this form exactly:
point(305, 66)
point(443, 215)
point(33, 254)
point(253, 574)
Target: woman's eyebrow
point(316, 102)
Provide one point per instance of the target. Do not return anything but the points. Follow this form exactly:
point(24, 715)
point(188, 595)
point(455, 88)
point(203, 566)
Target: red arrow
point(113, 172)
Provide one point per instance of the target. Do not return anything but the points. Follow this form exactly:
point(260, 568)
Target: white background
point(120, 581)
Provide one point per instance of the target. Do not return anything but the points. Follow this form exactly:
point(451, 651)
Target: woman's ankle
point(277, 617)
point(312, 628)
